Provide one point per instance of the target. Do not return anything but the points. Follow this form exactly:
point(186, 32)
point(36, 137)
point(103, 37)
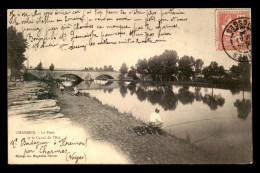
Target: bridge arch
point(103, 76)
point(76, 77)
point(84, 75)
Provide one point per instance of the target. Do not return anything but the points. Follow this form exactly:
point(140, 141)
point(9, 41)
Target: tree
point(51, 67)
point(159, 67)
point(168, 64)
point(39, 66)
point(132, 73)
point(244, 68)
point(221, 71)
point(213, 70)
point(16, 47)
point(198, 65)
point(186, 66)
point(142, 68)
point(105, 68)
point(235, 72)
point(154, 67)
point(110, 68)
point(123, 69)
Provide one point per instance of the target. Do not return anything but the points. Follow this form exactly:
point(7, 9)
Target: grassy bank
point(107, 124)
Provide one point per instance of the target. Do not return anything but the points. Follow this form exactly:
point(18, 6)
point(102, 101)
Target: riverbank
point(32, 114)
point(107, 124)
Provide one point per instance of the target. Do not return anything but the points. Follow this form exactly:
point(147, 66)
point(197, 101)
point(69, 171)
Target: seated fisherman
point(155, 119)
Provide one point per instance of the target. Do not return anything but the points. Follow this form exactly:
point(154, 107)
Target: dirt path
point(107, 124)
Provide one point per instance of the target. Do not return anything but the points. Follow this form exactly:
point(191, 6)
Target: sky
point(196, 37)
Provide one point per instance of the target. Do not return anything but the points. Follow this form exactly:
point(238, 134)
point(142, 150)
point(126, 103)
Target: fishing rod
point(195, 121)
point(205, 137)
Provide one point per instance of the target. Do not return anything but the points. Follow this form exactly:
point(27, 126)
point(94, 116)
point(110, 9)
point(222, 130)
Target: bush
point(42, 96)
point(30, 77)
point(150, 129)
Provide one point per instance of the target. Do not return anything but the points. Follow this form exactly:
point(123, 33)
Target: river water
point(218, 120)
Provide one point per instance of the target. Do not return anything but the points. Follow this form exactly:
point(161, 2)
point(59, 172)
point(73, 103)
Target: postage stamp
point(234, 33)
point(224, 17)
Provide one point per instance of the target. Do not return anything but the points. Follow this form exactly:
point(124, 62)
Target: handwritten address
point(82, 28)
point(38, 146)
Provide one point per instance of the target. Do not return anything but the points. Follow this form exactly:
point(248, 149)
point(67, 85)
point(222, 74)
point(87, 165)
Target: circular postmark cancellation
point(236, 39)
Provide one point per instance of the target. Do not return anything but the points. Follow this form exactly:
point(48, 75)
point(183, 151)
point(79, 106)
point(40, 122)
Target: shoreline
point(107, 124)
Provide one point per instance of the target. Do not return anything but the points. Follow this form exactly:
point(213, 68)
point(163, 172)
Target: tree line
point(105, 68)
point(165, 67)
point(169, 67)
point(40, 67)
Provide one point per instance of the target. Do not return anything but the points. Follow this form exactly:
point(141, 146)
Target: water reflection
point(243, 107)
point(132, 88)
point(123, 88)
point(213, 101)
point(185, 96)
point(165, 97)
point(103, 82)
point(198, 94)
point(203, 116)
point(110, 90)
point(235, 91)
point(155, 96)
point(67, 83)
point(170, 100)
point(88, 83)
point(141, 94)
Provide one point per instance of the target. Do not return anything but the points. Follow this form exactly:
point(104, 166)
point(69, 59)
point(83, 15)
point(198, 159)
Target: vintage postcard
point(129, 86)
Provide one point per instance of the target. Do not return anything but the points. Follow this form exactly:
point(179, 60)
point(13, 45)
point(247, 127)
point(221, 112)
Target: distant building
point(227, 71)
point(199, 75)
point(146, 77)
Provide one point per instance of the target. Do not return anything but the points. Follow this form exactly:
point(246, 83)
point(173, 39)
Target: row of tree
point(164, 67)
point(105, 68)
point(40, 67)
point(168, 66)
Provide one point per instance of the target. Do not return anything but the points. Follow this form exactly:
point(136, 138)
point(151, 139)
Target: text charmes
point(25, 132)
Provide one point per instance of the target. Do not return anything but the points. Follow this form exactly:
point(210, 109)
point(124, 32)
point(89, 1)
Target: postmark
point(234, 34)
point(236, 39)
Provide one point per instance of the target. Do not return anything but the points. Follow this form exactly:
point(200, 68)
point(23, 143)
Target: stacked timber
point(34, 101)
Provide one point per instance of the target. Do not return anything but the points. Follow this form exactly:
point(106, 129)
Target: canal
point(218, 120)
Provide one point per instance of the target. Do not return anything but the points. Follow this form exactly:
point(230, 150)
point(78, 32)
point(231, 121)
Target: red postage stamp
point(224, 17)
point(234, 33)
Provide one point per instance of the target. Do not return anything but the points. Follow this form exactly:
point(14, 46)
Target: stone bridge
point(82, 74)
point(89, 85)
